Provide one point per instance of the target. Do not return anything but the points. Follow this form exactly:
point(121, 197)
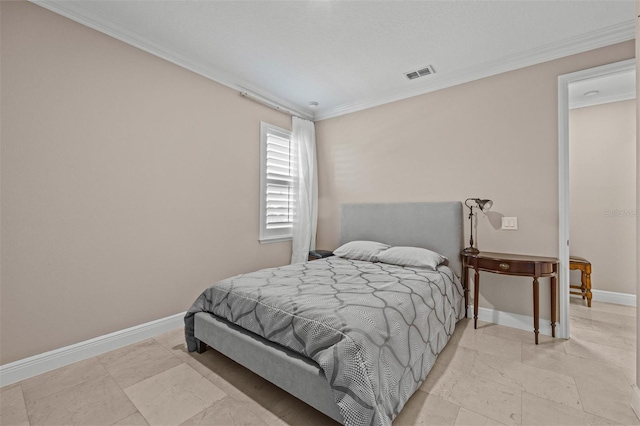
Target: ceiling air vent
point(413, 74)
point(428, 70)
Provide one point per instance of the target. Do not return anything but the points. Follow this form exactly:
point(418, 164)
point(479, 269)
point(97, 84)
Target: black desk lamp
point(483, 205)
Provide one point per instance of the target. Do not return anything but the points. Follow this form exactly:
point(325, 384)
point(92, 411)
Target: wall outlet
point(510, 223)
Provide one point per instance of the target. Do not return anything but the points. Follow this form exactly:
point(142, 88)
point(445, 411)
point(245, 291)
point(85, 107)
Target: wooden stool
point(584, 266)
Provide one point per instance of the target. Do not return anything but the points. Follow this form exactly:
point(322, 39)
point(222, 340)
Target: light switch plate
point(510, 223)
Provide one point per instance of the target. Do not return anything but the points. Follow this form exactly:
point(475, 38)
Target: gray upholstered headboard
point(435, 226)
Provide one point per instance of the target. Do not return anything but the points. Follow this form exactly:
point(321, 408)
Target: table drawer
point(514, 267)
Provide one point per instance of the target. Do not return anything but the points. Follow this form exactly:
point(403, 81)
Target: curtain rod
point(272, 104)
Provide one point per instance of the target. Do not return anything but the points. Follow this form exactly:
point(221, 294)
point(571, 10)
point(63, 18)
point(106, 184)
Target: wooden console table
point(512, 264)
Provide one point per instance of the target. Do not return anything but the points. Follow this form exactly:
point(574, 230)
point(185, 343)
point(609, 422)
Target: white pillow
point(412, 256)
point(361, 250)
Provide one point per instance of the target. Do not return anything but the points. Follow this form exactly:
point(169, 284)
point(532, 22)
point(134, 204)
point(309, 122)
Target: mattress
point(374, 329)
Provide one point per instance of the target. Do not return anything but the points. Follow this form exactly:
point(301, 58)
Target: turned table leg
point(553, 305)
point(476, 295)
point(536, 307)
point(465, 287)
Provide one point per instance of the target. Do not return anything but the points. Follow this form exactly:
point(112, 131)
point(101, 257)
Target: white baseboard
point(525, 322)
point(42, 363)
point(635, 400)
point(508, 319)
point(613, 297)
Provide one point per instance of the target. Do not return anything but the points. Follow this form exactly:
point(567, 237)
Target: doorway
point(564, 82)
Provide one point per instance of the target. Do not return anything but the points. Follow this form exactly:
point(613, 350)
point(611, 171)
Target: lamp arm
point(471, 199)
point(483, 205)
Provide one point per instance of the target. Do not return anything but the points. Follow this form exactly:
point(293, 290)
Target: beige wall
point(493, 138)
point(602, 145)
point(128, 184)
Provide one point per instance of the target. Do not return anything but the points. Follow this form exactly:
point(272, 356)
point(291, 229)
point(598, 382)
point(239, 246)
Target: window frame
point(273, 235)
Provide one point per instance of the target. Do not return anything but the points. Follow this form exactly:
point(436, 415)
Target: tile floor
point(490, 376)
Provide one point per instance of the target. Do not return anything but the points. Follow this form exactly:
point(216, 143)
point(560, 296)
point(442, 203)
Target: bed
point(375, 354)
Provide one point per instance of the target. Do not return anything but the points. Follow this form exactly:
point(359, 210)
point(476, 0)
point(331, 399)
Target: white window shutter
point(277, 198)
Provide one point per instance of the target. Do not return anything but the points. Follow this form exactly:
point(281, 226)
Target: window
point(277, 192)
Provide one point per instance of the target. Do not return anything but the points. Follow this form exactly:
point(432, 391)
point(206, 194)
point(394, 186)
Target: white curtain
point(305, 223)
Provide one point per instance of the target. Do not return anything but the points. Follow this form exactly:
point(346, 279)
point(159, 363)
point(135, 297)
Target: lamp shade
point(484, 205)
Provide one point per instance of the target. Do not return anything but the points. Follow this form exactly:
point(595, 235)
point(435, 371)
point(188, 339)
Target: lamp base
point(471, 250)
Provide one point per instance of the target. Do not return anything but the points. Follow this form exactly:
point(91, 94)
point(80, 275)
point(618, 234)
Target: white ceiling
point(349, 55)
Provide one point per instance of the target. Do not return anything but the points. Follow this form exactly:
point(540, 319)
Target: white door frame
point(563, 177)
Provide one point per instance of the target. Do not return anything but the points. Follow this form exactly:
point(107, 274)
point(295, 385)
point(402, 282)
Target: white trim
point(42, 363)
point(563, 177)
point(508, 319)
point(593, 40)
point(600, 38)
point(626, 299)
point(269, 240)
point(635, 400)
point(563, 206)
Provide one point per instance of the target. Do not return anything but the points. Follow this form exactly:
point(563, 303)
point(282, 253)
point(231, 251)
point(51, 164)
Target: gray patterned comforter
point(375, 329)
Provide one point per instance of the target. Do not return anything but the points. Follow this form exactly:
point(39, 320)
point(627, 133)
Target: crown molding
point(596, 39)
point(600, 38)
point(76, 12)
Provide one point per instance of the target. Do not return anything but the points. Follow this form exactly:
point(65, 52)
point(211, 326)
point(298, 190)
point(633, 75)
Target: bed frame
point(437, 226)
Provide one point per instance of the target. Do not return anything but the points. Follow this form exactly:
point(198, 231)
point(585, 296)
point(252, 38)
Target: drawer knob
point(504, 266)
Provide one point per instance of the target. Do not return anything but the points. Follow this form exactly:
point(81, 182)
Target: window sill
point(268, 240)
